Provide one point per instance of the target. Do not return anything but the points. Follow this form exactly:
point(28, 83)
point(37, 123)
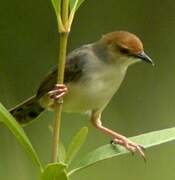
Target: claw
point(130, 146)
point(58, 92)
point(112, 142)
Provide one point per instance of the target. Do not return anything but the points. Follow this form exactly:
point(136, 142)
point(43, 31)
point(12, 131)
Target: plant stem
point(65, 11)
point(60, 79)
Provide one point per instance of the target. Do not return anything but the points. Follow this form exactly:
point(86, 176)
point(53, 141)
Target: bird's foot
point(58, 91)
point(130, 146)
point(117, 138)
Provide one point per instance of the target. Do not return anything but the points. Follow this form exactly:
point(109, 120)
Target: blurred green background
point(145, 102)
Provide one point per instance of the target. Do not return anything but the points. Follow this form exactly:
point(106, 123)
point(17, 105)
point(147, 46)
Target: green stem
point(65, 11)
point(60, 79)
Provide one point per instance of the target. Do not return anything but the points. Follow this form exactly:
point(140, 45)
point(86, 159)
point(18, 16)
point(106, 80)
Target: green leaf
point(61, 152)
point(109, 151)
point(72, 3)
point(76, 3)
point(56, 5)
point(76, 144)
point(55, 171)
point(16, 129)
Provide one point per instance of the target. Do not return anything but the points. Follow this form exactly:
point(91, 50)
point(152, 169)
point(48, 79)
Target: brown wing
point(73, 70)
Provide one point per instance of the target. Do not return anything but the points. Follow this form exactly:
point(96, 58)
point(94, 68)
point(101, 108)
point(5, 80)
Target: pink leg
point(58, 91)
point(117, 138)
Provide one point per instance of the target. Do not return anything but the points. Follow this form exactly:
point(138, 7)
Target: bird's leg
point(58, 91)
point(117, 138)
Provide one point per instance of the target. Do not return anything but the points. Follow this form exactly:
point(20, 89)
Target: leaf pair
point(67, 156)
point(55, 171)
point(58, 171)
point(73, 6)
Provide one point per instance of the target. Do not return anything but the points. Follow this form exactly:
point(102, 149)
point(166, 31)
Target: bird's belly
point(86, 96)
point(82, 97)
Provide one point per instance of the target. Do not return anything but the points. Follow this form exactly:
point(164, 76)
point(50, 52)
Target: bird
point(93, 74)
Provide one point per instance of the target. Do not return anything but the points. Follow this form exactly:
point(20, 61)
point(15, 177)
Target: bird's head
point(125, 47)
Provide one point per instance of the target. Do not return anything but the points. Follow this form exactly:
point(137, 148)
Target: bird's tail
point(27, 110)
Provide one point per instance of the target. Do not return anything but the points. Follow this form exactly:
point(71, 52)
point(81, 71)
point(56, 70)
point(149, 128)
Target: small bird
point(93, 74)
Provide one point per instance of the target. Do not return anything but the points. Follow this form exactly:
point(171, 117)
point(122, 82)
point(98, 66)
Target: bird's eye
point(124, 50)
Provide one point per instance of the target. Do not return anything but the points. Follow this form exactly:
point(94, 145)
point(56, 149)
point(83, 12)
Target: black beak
point(143, 56)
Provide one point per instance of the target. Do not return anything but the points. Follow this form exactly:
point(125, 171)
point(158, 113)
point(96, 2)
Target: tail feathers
point(27, 110)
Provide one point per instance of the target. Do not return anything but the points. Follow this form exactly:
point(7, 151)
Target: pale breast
point(94, 90)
